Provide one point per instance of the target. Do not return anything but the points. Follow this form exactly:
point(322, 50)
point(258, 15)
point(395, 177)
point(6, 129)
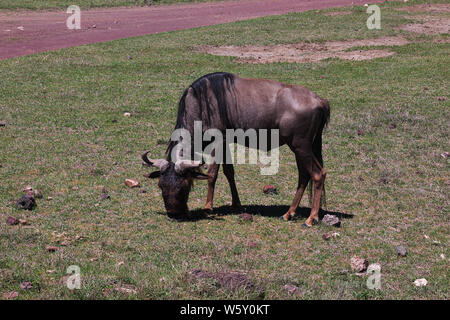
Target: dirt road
point(23, 33)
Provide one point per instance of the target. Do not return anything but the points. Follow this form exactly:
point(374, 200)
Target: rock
point(51, 248)
point(127, 289)
point(442, 98)
point(2, 123)
point(442, 256)
point(132, 183)
point(105, 196)
point(331, 220)
point(445, 155)
point(10, 295)
point(23, 222)
point(28, 189)
point(291, 289)
point(26, 285)
point(420, 282)
point(12, 221)
point(246, 217)
point(401, 251)
point(326, 236)
point(127, 114)
point(26, 202)
point(270, 189)
point(358, 264)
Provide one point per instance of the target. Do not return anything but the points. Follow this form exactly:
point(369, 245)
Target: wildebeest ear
point(154, 174)
point(200, 176)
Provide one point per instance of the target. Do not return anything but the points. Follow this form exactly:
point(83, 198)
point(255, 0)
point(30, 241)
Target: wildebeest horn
point(182, 165)
point(161, 164)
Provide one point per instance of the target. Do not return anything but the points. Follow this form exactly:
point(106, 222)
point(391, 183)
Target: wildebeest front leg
point(303, 179)
point(228, 170)
point(213, 170)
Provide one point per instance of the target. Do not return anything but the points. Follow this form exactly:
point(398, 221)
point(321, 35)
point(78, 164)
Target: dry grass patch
point(429, 26)
point(307, 52)
point(433, 8)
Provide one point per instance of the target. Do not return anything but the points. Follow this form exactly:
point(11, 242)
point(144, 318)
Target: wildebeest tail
point(317, 145)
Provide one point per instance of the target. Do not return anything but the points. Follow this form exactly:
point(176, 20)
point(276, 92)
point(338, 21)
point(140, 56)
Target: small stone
point(132, 183)
point(28, 189)
point(51, 248)
point(291, 289)
point(336, 234)
point(2, 123)
point(401, 251)
point(23, 222)
point(331, 220)
point(420, 282)
point(442, 98)
point(358, 264)
point(270, 189)
point(326, 236)
point(127, 114)
point(12, 221)
point(105, 196)
point(26, 202)
point(10, 295)
point(26, 285)
point(94, 26)
point(246, 217)
point(442, 256)
point(445, 155)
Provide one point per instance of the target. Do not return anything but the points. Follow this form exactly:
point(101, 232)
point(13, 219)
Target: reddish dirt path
point(43, 31)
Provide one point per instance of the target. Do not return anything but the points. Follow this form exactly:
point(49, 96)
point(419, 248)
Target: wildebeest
point(226, 101)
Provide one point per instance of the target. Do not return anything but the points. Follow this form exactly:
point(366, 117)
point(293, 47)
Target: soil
point(24, 32)
point(308, 52)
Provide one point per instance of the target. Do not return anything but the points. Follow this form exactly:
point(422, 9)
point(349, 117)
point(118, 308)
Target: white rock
point(442, 256)
point(420, 282)
point(127, 114)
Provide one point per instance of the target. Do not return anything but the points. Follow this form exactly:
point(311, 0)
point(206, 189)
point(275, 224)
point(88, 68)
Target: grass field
point(66, 135)
point(83, 4)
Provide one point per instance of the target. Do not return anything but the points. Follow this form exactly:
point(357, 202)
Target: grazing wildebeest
point(226, 101)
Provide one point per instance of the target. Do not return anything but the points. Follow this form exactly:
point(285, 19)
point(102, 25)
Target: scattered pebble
point(336, 234)
point(358, 264)
point(26, 202)
point(127, 114)
point(291, 289)
point(132, 183)
point(26, 285)
point(420, 282)
point(11, 295)
point(401, 251)
point(246, 217)
point(21, 28)
point(442, 256)
point(51, 248)
point(426, 237)
point(12, 221)
point(270, 189)
point(331, 220)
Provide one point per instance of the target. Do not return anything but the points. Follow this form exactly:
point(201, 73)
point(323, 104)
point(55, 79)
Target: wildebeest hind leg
point(303, 179)
point(228, 170)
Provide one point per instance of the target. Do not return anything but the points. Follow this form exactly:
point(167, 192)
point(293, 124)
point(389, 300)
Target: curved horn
point(182, 165)
point(161, 164)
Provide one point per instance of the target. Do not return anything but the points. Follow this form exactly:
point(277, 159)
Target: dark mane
point(220, 83)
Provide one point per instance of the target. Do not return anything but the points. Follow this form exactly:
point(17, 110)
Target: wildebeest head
point(175, 182)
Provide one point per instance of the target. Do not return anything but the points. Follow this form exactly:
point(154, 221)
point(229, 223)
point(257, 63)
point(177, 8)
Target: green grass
point(60, 134)
point(83, 4)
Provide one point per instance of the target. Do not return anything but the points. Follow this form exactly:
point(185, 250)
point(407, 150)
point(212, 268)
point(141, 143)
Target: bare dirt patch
point(434, 8)
point(429, 25)
point(308, 52)
point(337, 13)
